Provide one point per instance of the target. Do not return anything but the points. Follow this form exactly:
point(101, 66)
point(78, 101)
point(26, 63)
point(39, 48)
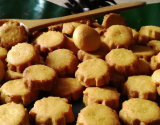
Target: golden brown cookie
point(39, 77)
point(138, 111)
point(113, 19)
point(99, 53)
point(140, 86)
point(155, 45)
point(68, 88)
point(15, 91)
point(86, 38)
point(93, 72)
point(12, 33)
point(155, 62)
point(14, 114)
point(156, 80)
point(11, 75)
point(118, 36)
point(49, 41)
point(143, 52)
point(52, 111)
point(3, 55)
point(101, 95)
point(122, 61)
point(148, 33)
point(63, 61)
point(97, 114)
point(21, 56)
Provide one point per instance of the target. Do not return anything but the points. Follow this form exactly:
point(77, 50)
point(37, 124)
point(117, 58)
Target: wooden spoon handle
point(33, 25)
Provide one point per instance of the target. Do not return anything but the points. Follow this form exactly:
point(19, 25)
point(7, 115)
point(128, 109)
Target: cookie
point(93, 72)
point(14, 114)
point(97, 114)
point(12, 33)
point(156, 80)
point(49, 41)
point(101, 95)
point(11, 75)
point(63, 61)
point(68, 88)
point(52, 111)
point(122, 61)
point(15, 91)
point(143, 52)
point(140, 86)
point(21, 56)
point(113, 19)
point(39, 77)
point(3, 55)
point(118, 36)
point(155, 62)
point(148, 33)
point(155, 45)
point(86, 38)
point(138, 111)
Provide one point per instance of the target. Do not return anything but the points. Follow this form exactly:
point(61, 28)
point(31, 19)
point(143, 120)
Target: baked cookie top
point(155, 77)
point(63, 61)
point(20, 54)
point(142, 85)
point(86, 38)
point(155, 45)
point(52, 108)
point(118, 36)
point(140, 111)
point(13, 114)
point(3, 53)
point(39, 73)
point(98, 114)
point(12, 33)
point(93, 72)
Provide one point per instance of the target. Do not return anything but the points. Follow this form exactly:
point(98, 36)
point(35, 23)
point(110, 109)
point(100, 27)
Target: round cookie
point(14, 114)
point(39, 77)
point(21, 56)
point(86, 38)
point(15, 91)
point(97, 114)
point(68, 88)
point(148, 33)
point(155, 62)
point(140, 87)
point(105, 95)
point(12, 33)
point(122, 61)
point(156, 80)
point(63, 61)
point(118, 36)
point(138, 111)
point(49, 41)
point(113, 19)
point(155, 45)
point(52, 111)
point(143, 52)
point(93, 72)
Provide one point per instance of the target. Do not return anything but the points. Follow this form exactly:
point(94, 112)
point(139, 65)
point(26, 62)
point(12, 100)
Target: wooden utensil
point(32, 25)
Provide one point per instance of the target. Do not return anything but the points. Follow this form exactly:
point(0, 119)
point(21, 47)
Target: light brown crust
point(155, 45)
point(105, 95)
point(113, 19)
point(68, 88)
point(140, 87)
point(155, 62)
point(118, 36)
point(11, 75)
point(63, 61)
point(122, 61)
point(12, 33)
point(94, 74)
point(39, 77)
point(97, 114)
point(147, 33)
point(52, 110)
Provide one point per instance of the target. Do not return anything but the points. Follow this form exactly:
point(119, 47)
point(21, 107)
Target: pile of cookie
point(99, 62)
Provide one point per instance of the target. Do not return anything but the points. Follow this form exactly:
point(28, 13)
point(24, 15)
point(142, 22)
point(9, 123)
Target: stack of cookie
point(112, 68)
